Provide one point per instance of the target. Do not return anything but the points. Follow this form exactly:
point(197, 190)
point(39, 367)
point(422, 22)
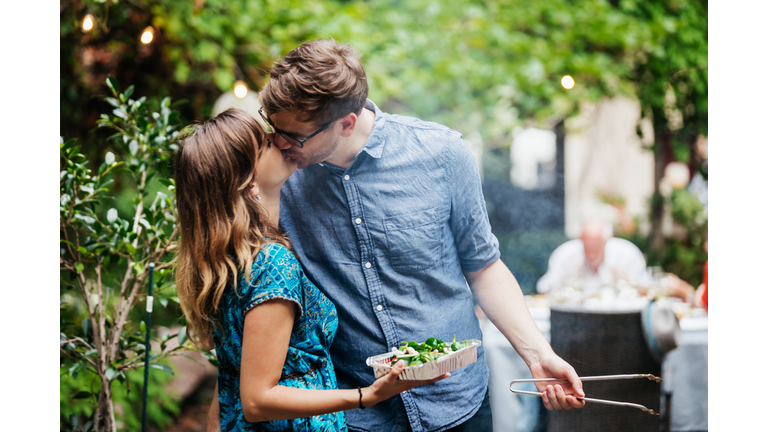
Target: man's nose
point(280, 142)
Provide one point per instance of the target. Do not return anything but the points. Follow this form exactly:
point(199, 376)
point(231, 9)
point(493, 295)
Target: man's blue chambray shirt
point(387, 240)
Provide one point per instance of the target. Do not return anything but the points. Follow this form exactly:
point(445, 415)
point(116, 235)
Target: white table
point(684, 372)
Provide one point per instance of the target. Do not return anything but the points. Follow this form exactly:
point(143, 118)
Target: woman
point(244, 293)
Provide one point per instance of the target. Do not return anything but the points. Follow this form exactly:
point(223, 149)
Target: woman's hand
point(388, 385)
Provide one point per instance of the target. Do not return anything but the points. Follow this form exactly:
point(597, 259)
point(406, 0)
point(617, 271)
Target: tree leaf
point(120, 113)
point(87, 327)
point(82, 395)
point(165, 368)
point(87, 219)
point(128, 92)
point(112, 215)
point(183, 335)
point(73, 370)
point(110, 373)
point(112, 84)
point(79, 267)
point(109, 159)
point(112, 101)
point(144, 223)
point(73, 420)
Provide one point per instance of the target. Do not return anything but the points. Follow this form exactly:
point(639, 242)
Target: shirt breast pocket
point(413, 240)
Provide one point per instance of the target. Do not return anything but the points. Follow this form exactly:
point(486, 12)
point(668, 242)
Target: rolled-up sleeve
point(476, 245)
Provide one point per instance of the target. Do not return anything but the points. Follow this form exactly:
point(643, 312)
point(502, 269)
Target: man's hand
point(500, 297)
point(561, 395)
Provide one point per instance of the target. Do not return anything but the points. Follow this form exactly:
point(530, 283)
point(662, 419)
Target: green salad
point(415, 354)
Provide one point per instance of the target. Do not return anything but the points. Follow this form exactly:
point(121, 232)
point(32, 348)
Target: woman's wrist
point(368, 398)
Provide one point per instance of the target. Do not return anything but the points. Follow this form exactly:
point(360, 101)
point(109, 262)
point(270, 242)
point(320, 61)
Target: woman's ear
point(255, 191)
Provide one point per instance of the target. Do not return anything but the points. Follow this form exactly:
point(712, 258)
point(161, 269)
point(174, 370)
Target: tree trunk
point(661, 157)
point(104, 420)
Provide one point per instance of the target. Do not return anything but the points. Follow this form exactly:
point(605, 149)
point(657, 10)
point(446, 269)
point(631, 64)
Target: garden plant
point(105, 256)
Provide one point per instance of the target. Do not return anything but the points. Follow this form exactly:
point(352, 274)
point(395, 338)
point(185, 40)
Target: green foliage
point(682, 254)
point(671, 73)
point(77, 397)
point(476, 66)
point(105, 256)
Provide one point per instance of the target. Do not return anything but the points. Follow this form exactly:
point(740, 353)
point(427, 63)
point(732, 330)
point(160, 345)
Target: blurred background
point(573, 109)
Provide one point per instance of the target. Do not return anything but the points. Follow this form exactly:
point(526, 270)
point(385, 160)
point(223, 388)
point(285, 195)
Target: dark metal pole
point(147, 349)
point(560, 171)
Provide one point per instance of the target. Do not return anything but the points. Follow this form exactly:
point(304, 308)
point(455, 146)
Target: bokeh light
point(148, 35)
point(567, 82)
point(88, 22)
point(241, 90)
point(677, 174)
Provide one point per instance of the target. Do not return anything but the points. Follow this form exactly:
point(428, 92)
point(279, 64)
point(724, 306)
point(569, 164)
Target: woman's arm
point(214, 419)
point(266, 334)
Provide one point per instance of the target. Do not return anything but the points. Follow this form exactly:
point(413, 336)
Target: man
point(386, 215)
point(596, 259)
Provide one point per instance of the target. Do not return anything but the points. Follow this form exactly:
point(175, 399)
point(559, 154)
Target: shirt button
point(379, 308)
point(358, 220)
point(321, 164)
point(346, 177)
point(367, 265)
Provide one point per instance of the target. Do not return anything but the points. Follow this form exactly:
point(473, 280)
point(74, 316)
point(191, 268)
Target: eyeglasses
point(296, 142)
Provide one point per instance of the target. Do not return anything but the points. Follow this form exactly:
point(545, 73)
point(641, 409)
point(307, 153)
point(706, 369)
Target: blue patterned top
point(277, 274)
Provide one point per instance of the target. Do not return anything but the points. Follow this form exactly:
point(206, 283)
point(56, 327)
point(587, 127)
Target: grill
point(606, 343)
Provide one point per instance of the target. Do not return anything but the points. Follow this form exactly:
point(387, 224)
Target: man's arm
point(500, 297)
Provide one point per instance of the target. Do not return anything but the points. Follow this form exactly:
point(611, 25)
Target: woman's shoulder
point(276, 254)
point(276, 260)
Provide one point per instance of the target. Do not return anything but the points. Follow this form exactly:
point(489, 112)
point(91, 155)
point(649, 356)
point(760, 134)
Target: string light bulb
point(147, 35)
point(88, 23)
point(241, 89)
point(567, 82)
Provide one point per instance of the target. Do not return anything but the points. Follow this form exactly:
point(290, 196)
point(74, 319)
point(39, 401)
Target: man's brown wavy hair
point(222, 224)
point(318, 82)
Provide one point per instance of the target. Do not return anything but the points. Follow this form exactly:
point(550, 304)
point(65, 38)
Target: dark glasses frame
point(296, 142)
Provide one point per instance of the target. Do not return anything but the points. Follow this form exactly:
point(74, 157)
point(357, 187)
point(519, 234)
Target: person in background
point(595, 259)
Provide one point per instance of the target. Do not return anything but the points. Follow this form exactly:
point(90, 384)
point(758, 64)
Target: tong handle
point(593, 378)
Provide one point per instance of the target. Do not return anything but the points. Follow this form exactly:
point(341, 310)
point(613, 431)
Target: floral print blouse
point(277, 274)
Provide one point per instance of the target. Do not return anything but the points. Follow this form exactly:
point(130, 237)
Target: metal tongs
point(593, 378)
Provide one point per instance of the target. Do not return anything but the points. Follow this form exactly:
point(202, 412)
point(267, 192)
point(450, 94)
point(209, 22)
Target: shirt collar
point(374, 146)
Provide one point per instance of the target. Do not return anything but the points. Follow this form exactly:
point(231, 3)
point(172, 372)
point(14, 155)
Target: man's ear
point(348, 123)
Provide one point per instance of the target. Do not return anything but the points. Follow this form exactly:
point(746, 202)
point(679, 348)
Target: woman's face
point(272, 168)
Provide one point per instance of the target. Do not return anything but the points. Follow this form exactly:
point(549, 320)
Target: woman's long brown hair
point(222, 225)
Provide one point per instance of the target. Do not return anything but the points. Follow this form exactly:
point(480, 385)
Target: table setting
point(613, 330)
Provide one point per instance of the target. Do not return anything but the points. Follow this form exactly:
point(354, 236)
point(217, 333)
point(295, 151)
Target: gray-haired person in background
point(598, 258)
point(387, 216)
